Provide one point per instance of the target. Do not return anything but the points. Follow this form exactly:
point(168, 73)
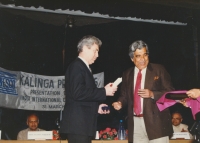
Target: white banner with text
point(20, 90)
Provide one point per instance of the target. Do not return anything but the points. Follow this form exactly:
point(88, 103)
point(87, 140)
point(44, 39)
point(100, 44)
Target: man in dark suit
point(82, 96)
point(149, 125)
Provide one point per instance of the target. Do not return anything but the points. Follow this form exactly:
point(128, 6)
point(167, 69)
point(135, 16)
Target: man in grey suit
point(82, 96)
point(150, 125)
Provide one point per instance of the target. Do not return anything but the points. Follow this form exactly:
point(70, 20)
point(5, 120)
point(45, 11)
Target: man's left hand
point(100, 111)
point(145, 93)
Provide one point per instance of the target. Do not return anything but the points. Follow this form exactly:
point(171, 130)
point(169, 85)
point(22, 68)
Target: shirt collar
point(137, 70)
point(84, 61)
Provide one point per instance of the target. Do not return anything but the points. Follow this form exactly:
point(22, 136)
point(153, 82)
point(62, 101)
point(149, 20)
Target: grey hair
point(139, 44)
point(88, 41)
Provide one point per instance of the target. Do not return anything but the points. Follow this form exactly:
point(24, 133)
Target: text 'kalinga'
point(39, 82)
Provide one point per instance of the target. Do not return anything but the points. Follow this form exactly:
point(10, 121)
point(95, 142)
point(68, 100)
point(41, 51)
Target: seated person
point(177, 125)
point(32, 122)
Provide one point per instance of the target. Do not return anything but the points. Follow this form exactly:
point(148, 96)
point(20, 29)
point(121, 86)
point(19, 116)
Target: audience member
point(177, 125)
point(32, 122)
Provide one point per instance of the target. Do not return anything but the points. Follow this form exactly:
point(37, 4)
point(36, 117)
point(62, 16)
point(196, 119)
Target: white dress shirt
point(143, 72)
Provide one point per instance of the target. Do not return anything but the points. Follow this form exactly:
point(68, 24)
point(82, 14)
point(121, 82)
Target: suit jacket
point(158, 124)
point(81, 101)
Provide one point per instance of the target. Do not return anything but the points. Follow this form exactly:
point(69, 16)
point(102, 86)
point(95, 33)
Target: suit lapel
point(131, 81)
point(148, 78)
point(85, 66)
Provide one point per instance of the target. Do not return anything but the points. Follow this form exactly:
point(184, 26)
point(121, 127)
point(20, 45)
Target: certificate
point(117, 81)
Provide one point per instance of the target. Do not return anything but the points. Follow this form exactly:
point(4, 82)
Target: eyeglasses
point(145, 55)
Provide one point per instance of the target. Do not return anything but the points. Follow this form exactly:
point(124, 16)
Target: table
point(94, 141)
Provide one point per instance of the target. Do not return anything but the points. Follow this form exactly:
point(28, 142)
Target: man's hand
point(145, 93)
point(100, 111)
point(183, 130)
point(110, 89)
point(117, 105)
point(193, 93)
point(183, 102)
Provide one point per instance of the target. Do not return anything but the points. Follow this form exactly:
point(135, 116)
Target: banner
point(20, 90)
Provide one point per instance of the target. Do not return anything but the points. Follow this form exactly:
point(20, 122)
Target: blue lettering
point(7, 83)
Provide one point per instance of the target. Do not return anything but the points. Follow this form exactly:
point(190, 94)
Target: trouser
point(140, 134)
point(73, 138)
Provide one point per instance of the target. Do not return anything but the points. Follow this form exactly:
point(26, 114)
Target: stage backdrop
point(20, 90)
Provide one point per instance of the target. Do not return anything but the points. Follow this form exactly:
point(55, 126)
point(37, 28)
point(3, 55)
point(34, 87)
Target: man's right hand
point(193, 93)
point(183, 130)
point(110, 89)
point(117, 105)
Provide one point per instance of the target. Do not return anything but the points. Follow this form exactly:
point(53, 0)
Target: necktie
point(137, 102)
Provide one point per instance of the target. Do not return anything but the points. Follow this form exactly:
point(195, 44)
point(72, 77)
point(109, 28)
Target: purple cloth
point(164, 103)
point(193, 104)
